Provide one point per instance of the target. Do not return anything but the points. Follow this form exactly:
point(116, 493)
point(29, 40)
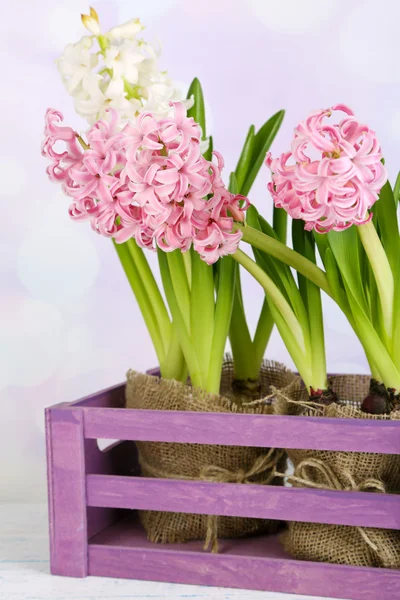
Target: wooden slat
point(245, 500)
point(164, 563)
point(66, 491)
point(313, 433)
point(112, 397)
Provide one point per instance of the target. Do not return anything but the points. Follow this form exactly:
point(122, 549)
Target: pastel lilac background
point(68, 322)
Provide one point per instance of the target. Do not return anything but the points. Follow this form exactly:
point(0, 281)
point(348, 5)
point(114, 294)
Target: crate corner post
point(66, 491)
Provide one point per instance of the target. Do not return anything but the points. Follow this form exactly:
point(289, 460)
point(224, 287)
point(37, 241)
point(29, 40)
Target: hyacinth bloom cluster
point(115, 69)
point(333, 174)
point(147, 181)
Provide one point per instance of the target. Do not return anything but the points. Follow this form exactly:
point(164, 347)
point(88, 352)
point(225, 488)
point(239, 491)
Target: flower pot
point(366, 471)
point(206, 462)
point(93, 497)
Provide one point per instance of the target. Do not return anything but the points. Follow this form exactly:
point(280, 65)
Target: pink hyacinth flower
point(148, 182)
point(333, 174)
point(54, 133)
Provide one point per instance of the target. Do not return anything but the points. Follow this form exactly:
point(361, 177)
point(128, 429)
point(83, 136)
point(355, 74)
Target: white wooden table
point(24, 570)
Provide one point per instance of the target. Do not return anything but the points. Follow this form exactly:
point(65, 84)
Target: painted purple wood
point(263, 502)
point(121, 459)
point(254, 563)
point(112, 397)
point(352, 435)
point(67, 497)
point(119, 549)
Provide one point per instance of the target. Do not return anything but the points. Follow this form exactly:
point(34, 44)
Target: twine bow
point(302, 476)
point(266, 463)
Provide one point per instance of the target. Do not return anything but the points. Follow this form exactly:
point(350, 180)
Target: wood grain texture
point(238, 500)
point(348, 435)
point(67, 494)
point(255, 564)
point(120, 459)
point(24, 570)
point(81, 478)
point(112, 397)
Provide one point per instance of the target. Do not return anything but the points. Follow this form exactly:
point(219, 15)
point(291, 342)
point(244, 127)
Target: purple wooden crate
point(93, 497)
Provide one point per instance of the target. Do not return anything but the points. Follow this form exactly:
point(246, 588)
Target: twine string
point(265, 464)
point(303, 476)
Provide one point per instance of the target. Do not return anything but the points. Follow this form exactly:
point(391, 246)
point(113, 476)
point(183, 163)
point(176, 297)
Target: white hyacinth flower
point(127, 31)
point(124, 61)
point(116, 69)
point(76, 64)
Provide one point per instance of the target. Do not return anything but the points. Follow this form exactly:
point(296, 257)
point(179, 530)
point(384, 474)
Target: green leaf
point(262, 142)
point(298, 241)
point(180, 325)
point(334, 278)
point(263, 331)
point(202, 305)
point(386, 215)
point(243, 351)
point(373, 344)
point(345, 248)
point(321, 239)
point(279, 221)
point(142, 298)
point(198, 109)
point(396, 319)
point(276, 270)
point(208, 153)
point(245, 159)
point(223, 315)
point(233, 184)
point(396, 191)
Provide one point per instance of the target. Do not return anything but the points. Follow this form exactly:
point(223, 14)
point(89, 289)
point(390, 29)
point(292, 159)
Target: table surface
point(24, 570)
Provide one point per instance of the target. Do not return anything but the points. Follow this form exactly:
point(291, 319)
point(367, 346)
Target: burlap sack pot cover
point(368, 472)
point(205, 462)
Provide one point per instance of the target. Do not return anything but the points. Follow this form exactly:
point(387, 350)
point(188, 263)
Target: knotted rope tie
point(265, 463)
point(302, 476)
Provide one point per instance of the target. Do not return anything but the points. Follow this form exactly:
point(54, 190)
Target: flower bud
point(127, 30)
point(92, 22)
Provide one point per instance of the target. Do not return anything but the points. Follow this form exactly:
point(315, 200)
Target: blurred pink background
point(69, 324)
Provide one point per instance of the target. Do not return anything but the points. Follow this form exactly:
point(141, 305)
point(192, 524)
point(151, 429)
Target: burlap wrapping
point(342, 471)
point(212, 463)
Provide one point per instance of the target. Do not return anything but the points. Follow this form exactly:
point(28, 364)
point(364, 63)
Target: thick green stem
point(286, 255)
point(382, 272)
point(131, 90)
point(142, 298)
point(180, 326)
point(202, 311)
point(223, 313)
point(374, 371)
point(174, 366)
point(103, 43)
point(317, 337)
point(180, 284)
point(154, 294)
